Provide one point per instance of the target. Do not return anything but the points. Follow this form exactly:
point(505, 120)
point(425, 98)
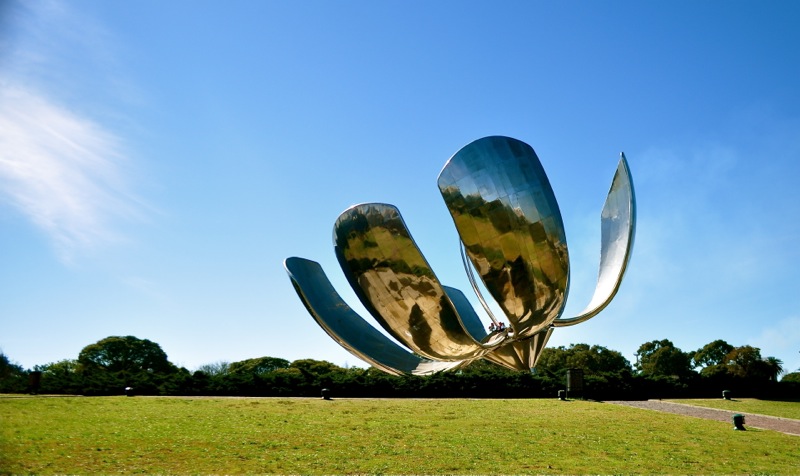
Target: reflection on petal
point(521, 354)
point(349, 329)
point(396, 284)
point(507, 217)
point(618, 222)
point(511, 233)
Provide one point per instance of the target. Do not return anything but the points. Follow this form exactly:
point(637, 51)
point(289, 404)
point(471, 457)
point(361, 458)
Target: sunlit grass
point(312, 436)
point(784, 409)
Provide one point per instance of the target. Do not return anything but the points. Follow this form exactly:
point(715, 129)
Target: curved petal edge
point(508, 220)
point(618, 224)
point(349, 329)
point(397, 286)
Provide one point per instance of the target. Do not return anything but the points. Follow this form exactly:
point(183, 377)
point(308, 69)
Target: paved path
point(784, 425)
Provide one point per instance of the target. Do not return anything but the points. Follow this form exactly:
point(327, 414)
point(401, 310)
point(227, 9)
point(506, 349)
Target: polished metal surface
point(349, 329)
point(512, 234)
point(618, 224)
point(521, 354)
point(469, 318)
point(396, 284)
point(471, 276)
point(508, 219)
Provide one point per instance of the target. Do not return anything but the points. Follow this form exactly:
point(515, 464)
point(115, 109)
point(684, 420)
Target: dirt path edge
point(764, 422)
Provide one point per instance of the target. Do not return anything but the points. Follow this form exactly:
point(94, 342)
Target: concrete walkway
point(784, 425)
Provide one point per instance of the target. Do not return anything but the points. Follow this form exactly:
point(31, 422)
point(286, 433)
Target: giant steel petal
point(521, 354)
point(349, 329)
point(509, 222)
point(397, 286)
point(472, 323)
point(618, 222)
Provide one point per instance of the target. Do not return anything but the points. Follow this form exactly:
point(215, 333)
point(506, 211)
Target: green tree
point(60, 377)
point(594, 359)
point(315, 367)
point(662, 359)
point(125, 354)
point(9, 368)
point(746, 362)
point(317, 374)
point(791, 377)
point(285, 382)
point(113, 363)
point(552, 361)
point(13, 378)
point(711, 354)
point(258, 366)
point(775, 367)
point(215, 368)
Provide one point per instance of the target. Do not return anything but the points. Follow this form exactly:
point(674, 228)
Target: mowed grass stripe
point(313, 436)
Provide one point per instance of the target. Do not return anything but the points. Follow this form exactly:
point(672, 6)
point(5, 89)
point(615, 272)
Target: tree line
point(116, 363)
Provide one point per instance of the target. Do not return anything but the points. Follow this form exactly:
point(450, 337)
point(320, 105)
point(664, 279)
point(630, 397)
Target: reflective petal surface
point(521, 354)
point(349, 329)
point(618, 223)
point(396, 284)
point(511, 233)
point(508, 219)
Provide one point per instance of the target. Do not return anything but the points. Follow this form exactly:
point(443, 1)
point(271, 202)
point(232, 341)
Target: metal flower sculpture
point(511, 234)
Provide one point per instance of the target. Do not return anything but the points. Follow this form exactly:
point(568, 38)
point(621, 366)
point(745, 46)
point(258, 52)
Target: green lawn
point(749, 405)
point(311, 436)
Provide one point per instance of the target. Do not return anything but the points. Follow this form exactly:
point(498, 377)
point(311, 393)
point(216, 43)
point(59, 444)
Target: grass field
point(47, 435)
point(749, 405)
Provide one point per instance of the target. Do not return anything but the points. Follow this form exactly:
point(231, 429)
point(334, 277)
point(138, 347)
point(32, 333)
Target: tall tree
point(711, 354)
point(13, 377)
point(128, 354)
point(114, 363)
point(746, 362)
point(60, 377)
point(9, 368)
point(662, 358)
point(315, 367)
point(259, 365)
point(775, 367)
point(592, 359)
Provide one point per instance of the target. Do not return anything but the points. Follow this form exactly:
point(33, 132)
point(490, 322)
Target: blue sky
point(160, 160)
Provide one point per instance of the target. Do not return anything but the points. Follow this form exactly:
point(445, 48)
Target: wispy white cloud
point(61, 166)
point(62, 171)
